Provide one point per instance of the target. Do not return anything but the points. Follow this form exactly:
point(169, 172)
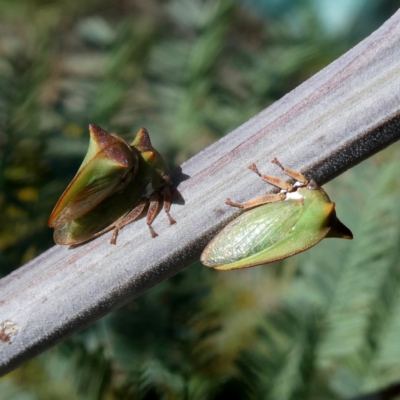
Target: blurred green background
point(322, 325)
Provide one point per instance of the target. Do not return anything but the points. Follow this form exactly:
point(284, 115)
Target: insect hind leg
point(130, 217)
point(258, 201)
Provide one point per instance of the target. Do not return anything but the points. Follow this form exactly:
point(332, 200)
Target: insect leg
point(258, 201)
point(132, 216)
point(167, 204)
point(152, 212)
point(292, 173)
point(272, 180)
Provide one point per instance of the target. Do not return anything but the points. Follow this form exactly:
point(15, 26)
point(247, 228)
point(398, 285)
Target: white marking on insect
point(293, 196)
point(298, 184)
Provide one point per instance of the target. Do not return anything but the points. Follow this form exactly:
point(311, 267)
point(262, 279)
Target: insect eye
point(312, 185)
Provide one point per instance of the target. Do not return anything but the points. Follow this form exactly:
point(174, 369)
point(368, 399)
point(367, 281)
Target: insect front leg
point(292, 173)
point(272, 180)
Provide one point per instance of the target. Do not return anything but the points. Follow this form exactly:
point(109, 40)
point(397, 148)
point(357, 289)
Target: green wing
point(254, 231)
point(104, 216)
point(107, 163)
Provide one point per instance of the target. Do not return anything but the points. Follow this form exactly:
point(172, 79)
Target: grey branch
point(342, 115)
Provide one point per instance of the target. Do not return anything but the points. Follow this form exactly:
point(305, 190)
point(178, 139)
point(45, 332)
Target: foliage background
point(323, 324)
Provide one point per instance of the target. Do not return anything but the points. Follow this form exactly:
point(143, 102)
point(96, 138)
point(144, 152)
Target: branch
point(339, 117)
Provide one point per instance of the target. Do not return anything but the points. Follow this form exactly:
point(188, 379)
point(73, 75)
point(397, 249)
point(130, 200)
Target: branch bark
point(342, 115)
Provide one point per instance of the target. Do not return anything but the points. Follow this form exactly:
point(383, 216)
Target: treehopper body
point(276, 226)
point(89, 208)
